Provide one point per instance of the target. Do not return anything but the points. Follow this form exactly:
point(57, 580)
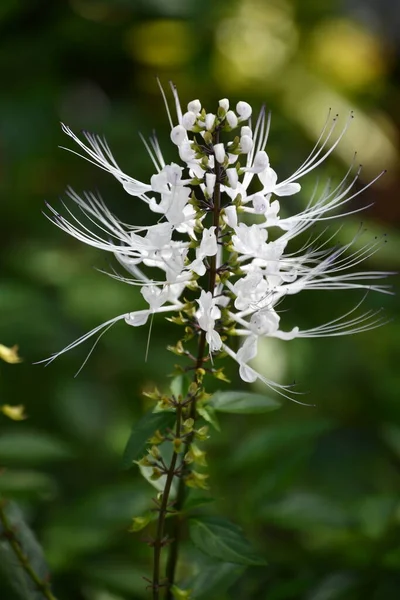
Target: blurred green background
point(316, 489)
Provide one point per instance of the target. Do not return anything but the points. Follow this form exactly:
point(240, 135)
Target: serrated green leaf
point(223, 540)
point(214, 579)
point(243, 403)
point(142, 431)
point(15, 584)
point(195, 502)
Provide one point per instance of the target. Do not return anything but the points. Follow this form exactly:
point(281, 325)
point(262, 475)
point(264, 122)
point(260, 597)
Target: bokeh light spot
point(161, 43)
point(255, 42)
point(343, 50)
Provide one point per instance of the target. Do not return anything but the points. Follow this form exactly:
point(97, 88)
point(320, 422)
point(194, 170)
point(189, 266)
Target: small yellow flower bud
point(199, 457)
point(197, 480)
point(139, 523)
point(193, 387)
point(155, 452)
point(16, 413)
point(180, 594)
point(154, 395)
point(188, 425)
point(202, 433)
point(144, 462)
point(156, 474)
point(178, 445)
point(10, 355)
point(157, 438)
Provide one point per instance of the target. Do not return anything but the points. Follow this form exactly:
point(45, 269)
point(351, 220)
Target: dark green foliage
point(315, 489)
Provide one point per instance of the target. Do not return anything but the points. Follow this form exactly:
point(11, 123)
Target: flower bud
point(139, 523)
point(197, 480)
point(224, 103)
point(202, 433)
point(155, 452)
point(188, 425)
point(246, 144)
point(246, 130)
point(219, 152)
point(210, 120)
point(233, 177)
point(210, 183)
point(231, 119)
point(178, 445)
point(231, 216)
point(244, 110)
point(188, 120)
point(178, 135)
point(156, 474)
point(194, 106)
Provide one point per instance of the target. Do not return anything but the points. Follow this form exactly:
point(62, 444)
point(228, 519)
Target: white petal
point(210, 120)
point(231, 216)
point(260, 203)
point(244, 110)
point(137, 318)
point(224, 103)
point(287, 189)
point(246, 130)
point(268, 178)
point(231, 119)
point(178, 135)
point(135, 189)
point(233, 177)
point(188, 120)
point(246, 144)
point(247, 374)
point(194, 106)
point(219, 151)
point(210, 183)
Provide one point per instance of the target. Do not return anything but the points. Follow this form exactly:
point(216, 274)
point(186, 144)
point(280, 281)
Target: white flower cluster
point(244, 250)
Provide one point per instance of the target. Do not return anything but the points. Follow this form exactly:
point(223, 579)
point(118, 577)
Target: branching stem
point(181, 495)
point(9, 535)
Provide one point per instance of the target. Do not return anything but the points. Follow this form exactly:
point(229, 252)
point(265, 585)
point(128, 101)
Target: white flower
point(249, 268)
point(206, 316)
point(249, 240)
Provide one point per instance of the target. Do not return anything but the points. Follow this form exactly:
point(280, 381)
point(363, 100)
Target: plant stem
point(180, 498)
point(9, 535)
point(181, 495)
point(159, 539)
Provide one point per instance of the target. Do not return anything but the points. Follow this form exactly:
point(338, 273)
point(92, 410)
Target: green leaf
point(26, 483)
point(176, 385)
point(208, 414)
point(243, 403)
point(31, 447)
point(15, 584)
point(214, 579)
point(142, 431)
point(195, 502)
point(118, 576)
point(223, 540)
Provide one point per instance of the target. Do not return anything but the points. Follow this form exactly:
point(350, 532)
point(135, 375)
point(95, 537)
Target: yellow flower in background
point(16, 413)
point(10, 355)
